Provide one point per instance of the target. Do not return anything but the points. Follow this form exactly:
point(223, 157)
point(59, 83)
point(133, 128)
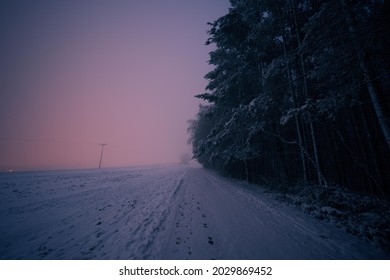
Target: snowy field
point(160, 212)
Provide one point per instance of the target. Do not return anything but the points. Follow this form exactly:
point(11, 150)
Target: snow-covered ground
point(158, 212)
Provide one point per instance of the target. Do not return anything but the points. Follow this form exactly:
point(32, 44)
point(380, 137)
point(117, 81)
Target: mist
point(76, 74)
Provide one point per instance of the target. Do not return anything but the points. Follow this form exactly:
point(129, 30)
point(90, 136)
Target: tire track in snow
point(146, 223)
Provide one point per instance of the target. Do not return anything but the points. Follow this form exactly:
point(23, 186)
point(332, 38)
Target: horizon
point(192, 163)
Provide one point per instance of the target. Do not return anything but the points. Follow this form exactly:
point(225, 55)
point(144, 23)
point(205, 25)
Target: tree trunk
point(374, 99)
point(288, 71)
point(302, 153)
point(363, 64)
point(246, 170)
point(305, 90)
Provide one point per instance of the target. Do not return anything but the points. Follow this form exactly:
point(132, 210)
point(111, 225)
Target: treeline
point(299, 94)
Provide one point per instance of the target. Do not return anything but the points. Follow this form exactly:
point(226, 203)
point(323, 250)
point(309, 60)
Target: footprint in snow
point(178, 240)
point(211, 241)
point(44, 251)
point(205, 225)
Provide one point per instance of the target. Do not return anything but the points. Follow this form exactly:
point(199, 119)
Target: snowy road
point(161, 212)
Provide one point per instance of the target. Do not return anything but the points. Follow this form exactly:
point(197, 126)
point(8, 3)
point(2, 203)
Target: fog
point(75, 74)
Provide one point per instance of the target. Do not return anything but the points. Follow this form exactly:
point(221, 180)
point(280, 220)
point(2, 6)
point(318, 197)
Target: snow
point(159, 212)
point(362, 215)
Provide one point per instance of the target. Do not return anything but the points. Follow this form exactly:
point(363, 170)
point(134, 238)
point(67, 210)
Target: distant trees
point(185, 159)
point(299, 94)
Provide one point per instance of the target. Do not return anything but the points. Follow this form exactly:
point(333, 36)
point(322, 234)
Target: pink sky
point(78, 73)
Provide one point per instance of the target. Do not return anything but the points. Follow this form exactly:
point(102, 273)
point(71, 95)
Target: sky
point(76, 74)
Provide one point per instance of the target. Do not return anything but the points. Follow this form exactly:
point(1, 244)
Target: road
point(158, 212)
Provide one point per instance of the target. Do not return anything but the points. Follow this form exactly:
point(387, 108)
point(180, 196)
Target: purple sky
point(78, 73)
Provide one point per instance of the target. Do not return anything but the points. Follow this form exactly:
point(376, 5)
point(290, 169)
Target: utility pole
point(101, 154)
